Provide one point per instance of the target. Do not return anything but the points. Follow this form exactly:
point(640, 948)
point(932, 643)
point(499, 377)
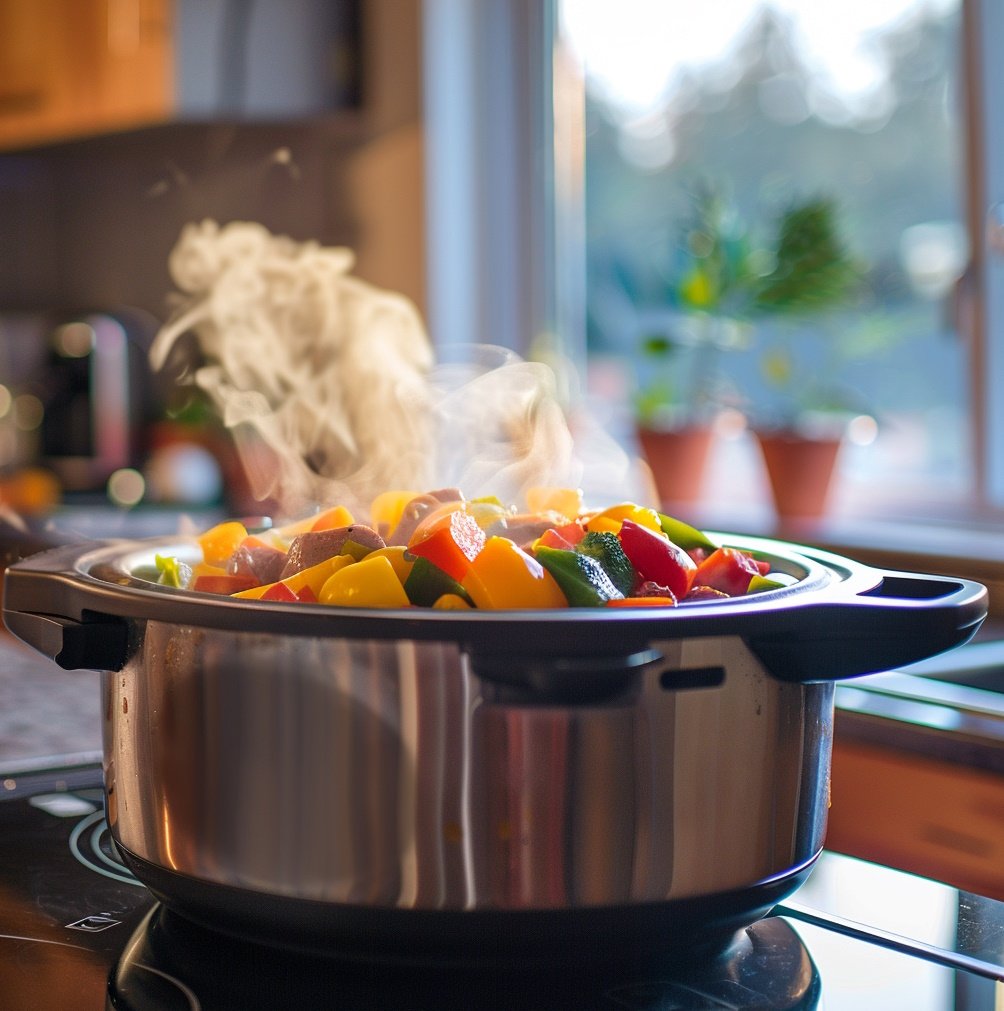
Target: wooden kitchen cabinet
point(70, 68)
point(935, 818)
point(79, 68)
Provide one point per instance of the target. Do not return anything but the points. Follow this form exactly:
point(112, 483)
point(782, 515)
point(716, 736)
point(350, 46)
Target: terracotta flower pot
point(678, 459)
point(800, 470)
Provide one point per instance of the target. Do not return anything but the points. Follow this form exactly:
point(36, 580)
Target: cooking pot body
point(388, 776)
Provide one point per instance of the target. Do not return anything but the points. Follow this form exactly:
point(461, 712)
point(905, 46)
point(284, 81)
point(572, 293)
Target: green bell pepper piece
point(580, 577)
point(355, 550)
point(172, 571)
point(427, 582)
point(760, 584)
point(683, 535)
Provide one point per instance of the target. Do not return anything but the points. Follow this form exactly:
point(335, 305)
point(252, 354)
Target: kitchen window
point(765, 102)
point(878, 104)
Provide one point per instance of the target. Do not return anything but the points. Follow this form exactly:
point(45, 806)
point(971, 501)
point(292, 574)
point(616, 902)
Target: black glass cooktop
point(77, 931)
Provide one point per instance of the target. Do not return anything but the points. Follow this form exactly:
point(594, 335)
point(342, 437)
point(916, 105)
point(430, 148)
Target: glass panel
point(705, 124)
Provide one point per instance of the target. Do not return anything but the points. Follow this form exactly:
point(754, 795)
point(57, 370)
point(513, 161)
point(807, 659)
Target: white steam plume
point(330, 387)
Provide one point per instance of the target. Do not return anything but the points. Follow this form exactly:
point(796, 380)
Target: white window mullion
point(489, 160)
point(990, 125)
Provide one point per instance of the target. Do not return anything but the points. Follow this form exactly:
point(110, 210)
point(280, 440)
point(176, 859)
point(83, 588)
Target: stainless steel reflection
point(388, 774)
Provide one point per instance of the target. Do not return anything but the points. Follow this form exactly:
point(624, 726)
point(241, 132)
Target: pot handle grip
point(39, 607)
point(904, 618)
point(101, 644)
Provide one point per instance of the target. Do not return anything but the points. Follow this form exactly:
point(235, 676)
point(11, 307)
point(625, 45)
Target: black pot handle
point(101, 644)
point(81, 640)
point(904, 618)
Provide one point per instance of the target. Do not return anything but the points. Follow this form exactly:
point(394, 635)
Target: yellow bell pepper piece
point(505, 576)
point(610, 520)
point(369, 583)
point(220, 542)
point(603, 525)
point(398, 557)
point(387, 508)
point(451, 602)
point(566, 502)
point(314, 577)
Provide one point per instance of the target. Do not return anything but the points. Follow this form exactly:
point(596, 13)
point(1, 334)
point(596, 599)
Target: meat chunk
point(261, 563)
point(523, 529)
point(314, 547)
point(418, 508)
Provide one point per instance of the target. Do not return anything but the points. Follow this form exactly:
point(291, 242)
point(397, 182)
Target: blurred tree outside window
point(774, 102)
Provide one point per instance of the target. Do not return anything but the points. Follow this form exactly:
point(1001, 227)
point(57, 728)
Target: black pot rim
point(838, 619)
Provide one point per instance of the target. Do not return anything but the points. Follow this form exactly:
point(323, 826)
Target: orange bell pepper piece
point(503, 576)
point(552, 539)
point(327, 519)
point(642, 602)
point(451, 543)
point(566, 502)
point(333, 519)
point(220, 542)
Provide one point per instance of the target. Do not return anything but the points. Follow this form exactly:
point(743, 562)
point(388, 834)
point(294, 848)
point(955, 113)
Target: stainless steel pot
point(376, 779)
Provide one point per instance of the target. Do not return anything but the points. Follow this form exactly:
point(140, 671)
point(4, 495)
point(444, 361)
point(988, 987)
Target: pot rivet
point(452, 832)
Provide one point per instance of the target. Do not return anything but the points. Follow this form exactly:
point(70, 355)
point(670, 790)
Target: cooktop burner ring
point(86, 845)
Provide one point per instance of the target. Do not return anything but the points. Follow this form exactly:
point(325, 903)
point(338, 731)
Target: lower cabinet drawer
point(933, 818)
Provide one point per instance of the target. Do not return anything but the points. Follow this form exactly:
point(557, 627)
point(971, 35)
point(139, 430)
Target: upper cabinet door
point(74, 67)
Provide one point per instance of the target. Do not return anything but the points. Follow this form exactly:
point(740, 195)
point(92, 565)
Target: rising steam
point(330, 387)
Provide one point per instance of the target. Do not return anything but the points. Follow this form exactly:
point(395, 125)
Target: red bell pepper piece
point(279, 591)
point(657, 559)
point(728, 570)
point(571, 532)
point(451, 543)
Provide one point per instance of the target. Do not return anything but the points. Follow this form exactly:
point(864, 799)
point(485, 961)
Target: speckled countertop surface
point(45, 710)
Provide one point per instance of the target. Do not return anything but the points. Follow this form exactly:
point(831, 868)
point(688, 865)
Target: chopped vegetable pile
point(443, 551)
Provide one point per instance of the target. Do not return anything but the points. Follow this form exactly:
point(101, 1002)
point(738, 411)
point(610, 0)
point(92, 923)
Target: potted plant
point(734, 288)
point(813, 274)
point(683, 388)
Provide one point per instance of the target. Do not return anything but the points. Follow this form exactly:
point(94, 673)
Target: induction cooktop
point(79, 933)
